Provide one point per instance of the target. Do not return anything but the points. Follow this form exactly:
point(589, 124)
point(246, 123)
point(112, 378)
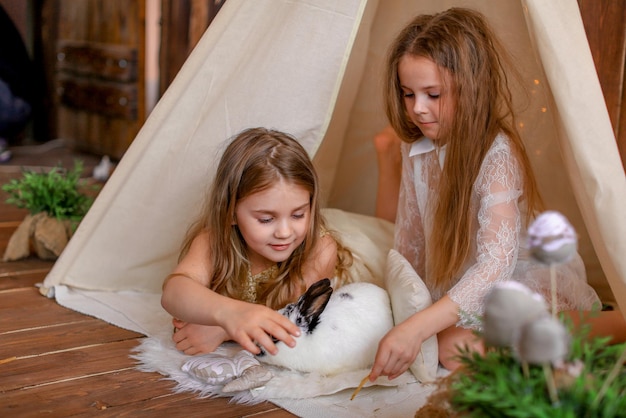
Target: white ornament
point(543, 341)
point(509, 306)
point(552, 239)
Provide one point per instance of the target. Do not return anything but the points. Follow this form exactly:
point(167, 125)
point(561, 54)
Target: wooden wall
point(183, 24)
point(184, 21)
point(93, 53)
point(605, 25)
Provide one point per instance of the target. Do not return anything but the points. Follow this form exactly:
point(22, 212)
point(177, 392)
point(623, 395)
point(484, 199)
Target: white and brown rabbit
point(340, 330)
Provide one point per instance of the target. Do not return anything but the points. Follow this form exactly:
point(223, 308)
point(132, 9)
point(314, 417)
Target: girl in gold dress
point(258, 244)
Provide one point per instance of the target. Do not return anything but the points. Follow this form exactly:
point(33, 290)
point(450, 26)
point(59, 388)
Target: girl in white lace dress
point(467, 192)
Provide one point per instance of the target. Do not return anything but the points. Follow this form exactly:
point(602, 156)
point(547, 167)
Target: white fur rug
point(304, 394)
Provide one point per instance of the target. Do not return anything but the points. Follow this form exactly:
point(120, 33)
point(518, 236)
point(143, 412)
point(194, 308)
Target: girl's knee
point(452, 340)
point(449, 356)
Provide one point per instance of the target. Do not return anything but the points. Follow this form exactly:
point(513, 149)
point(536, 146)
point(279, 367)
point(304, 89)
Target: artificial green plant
point(56, 192)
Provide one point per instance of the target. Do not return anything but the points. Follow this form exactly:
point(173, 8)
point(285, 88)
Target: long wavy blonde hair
point(476, 69)
point(254, 160)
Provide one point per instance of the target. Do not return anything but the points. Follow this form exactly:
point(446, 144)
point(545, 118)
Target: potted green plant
point(56, 203)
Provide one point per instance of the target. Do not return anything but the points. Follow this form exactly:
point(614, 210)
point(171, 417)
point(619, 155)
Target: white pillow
point(369, 238)
point(409, 295)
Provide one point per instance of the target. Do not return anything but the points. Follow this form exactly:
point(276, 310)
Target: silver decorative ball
point(508, 306)
point(552, 239)
point(543, 341)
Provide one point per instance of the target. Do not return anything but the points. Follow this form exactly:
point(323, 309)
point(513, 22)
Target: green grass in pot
point(56, 192)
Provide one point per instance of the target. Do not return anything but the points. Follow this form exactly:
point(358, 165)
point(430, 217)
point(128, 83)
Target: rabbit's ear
point(313, 302)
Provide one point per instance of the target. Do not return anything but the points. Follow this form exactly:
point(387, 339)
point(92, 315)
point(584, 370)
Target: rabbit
point(340, 330)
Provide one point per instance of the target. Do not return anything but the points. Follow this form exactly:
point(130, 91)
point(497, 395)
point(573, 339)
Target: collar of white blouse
point(426, 145)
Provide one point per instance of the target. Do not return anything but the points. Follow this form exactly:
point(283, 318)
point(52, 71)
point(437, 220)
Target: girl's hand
point(396, 352)
point(193, 339)
point(250, 324)
point(398, 349)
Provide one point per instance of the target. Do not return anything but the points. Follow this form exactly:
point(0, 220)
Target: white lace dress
point(499, 247)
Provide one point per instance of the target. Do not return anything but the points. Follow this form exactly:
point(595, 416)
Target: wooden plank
point(124, 393)
point(66, 365)
point(93, 59)
point(605, 27)
point(42, 340)
point(111, 129)
point(6, 231)
point(26, 308)
point(26, 266)
point(607, 43)
point(11, 215)
point(23, 273)
point(175, 406)
point(105, 98)
point(80, 396)
point(174, 48)
point(19, 280)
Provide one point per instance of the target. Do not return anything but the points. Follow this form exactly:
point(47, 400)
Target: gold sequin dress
point(249, 293)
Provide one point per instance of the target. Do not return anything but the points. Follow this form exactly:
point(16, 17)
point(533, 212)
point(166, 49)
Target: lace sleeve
point(409, 231)
point(497, 190)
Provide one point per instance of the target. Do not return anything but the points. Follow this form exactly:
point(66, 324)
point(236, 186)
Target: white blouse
point(499, 246)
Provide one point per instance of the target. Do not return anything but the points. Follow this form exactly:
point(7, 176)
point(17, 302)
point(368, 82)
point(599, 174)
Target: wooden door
point(183, 23)
point(95, 61)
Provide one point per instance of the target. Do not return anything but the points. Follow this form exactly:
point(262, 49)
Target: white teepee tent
point(313, 68)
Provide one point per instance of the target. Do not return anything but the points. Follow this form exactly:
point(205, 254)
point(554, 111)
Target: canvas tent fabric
point(313, 68)
point(317, 76)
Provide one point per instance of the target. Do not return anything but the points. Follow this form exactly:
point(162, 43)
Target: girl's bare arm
point(187, 297)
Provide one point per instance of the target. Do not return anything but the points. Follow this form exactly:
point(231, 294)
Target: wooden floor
point(56, 362)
